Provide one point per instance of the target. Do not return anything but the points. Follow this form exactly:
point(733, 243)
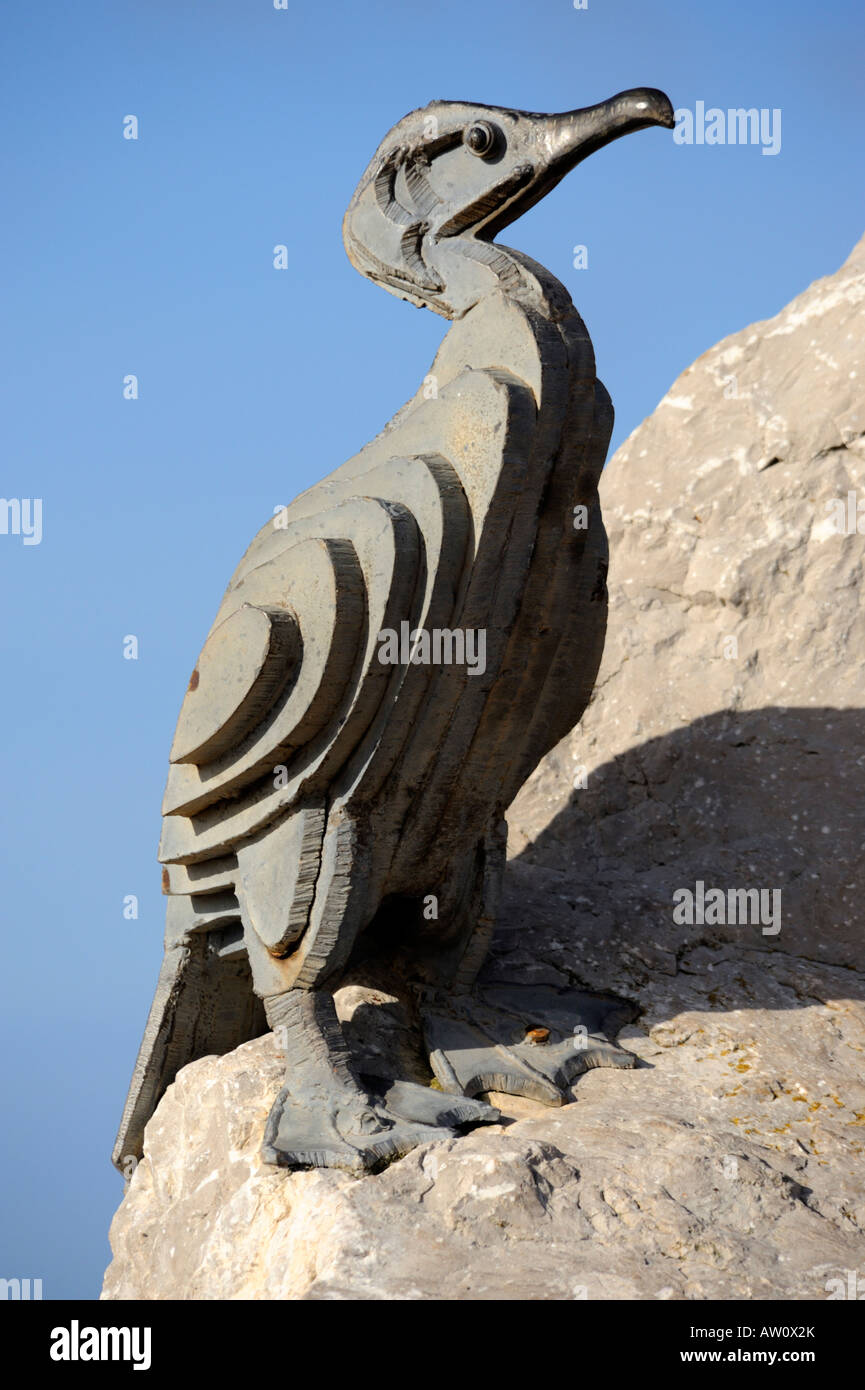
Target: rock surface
point(725, 745)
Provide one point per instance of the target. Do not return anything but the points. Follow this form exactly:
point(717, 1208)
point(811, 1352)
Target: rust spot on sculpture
point(537, 1035)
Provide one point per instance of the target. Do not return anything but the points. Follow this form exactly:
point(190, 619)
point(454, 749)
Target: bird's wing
point(290, 713)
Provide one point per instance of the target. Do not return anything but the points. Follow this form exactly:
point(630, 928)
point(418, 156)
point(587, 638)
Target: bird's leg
point(324, 1117)
point(317, 1060)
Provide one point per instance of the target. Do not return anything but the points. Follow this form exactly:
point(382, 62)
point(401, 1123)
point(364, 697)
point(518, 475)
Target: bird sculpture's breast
point(455, 521)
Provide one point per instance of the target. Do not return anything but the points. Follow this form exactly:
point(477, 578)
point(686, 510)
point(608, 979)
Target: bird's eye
point(480, 138)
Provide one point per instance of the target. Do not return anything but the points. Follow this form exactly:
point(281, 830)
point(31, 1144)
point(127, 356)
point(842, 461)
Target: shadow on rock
point(771, 800)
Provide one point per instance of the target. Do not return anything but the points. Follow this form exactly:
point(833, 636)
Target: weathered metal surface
point(395, 653)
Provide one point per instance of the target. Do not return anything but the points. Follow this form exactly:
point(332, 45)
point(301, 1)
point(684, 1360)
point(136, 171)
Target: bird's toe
point(300, 1135)
point(357, 1134)
point(406, 1100)
point(523, 1040)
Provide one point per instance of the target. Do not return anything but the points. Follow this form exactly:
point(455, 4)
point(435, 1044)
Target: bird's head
point(450, 176)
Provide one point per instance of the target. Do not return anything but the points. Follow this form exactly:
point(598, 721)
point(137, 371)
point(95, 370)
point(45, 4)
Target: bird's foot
point(361, 1131)
point(333, 1113)
point(523, 1040)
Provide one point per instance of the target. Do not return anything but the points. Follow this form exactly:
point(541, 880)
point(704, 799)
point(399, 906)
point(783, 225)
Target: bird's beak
point(566, 139)
point(573, 135)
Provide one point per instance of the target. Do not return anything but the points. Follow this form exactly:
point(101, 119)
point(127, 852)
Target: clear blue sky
point(155, 258)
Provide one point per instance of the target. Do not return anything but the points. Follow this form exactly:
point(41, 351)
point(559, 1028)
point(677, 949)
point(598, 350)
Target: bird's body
point(321, 778)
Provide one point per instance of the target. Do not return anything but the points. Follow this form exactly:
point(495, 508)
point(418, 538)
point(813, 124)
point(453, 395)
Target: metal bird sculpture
point(340, 764)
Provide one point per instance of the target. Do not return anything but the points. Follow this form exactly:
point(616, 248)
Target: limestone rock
point(725, 741)
point(643, 1189)
point(728, 1163)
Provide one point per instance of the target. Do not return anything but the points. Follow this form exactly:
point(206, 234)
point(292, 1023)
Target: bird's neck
point(513, 323)
point(471, 270)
